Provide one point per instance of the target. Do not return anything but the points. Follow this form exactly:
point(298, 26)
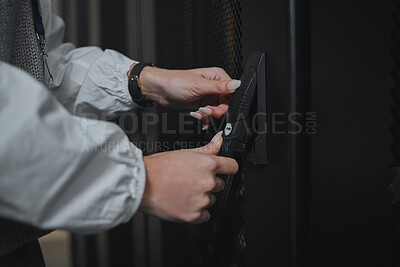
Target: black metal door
point(322, 199)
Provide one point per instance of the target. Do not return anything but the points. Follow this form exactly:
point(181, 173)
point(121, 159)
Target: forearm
point(62, 171)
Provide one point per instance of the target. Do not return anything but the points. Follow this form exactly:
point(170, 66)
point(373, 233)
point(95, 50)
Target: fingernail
point(196, 115)
point(206, 111)
point(233, 85)
point(216, 137)
point(205, 127)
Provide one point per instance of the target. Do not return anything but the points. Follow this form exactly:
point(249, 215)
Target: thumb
point(213, 87)
point(211, 148)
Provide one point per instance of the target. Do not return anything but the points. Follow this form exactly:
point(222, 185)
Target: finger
point(222, 75)
point(205, 126)
point(212, 200)
point(206, 111)
point(214, 73)
point(206, 116)
point(197, 115)
point(212, 87)
point(219, 111)
point(220, 185)
point(226, 166)
point(203, 217)
point(213, 111)
point(211, 148)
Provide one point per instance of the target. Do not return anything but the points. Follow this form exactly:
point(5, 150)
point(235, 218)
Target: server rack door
point(211, 33)
point(351, 86)
point(322, 199)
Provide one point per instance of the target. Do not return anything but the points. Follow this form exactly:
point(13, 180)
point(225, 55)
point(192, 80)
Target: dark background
point(323, 199)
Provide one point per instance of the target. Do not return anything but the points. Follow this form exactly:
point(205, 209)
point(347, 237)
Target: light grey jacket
point(61, 165)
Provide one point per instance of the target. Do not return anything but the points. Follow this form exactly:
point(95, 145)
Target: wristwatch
point(134, 85)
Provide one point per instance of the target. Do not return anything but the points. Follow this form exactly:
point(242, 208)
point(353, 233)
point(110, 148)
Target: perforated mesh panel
point(224, 237)
point(212, 37)
point(212, 34)
point(192, 34)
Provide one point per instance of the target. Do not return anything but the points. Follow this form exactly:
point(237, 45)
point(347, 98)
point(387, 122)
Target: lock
point(244, 139)
point(228, 129)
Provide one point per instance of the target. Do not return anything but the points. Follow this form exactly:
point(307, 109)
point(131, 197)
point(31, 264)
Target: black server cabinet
point(322, 200)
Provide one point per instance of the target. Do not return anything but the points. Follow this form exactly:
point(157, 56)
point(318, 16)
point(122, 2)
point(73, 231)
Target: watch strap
point(134, 85)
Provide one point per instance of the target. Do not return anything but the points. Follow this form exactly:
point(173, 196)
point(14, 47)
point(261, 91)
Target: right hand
point(180, 184)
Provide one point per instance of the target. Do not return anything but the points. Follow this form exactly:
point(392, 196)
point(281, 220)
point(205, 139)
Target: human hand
point(180, 183)
point(207, 89)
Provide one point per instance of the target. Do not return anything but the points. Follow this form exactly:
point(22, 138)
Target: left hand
point(208, 90)
point(180, 185)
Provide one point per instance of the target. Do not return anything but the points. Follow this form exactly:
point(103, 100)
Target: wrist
point(148, 197)
point(151, 79)
point(143, 204)
point(150, 83)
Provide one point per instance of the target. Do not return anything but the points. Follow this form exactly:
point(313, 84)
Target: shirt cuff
point(104, 92)
point(137, 185)
point(123, 69)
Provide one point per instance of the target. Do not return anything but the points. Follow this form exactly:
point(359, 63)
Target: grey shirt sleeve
point(59, 170)
point(88, 81)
